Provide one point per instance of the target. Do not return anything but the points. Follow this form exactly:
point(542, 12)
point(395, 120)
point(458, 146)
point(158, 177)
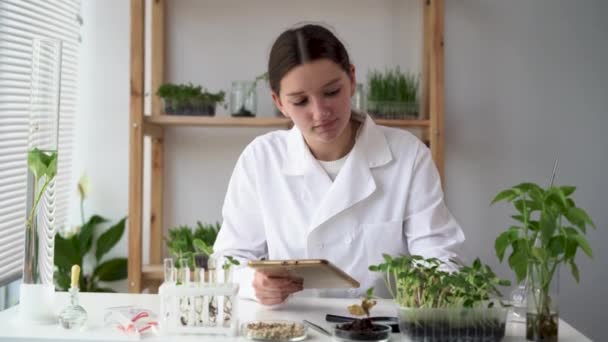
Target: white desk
point(313, 309)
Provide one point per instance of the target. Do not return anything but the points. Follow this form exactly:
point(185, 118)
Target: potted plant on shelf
point(548, 233)
point(438, 305)
point(187, 99)
point(392, 94)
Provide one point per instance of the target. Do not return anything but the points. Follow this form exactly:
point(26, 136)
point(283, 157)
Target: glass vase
point(519, 307)
point(542, 316)
point(37, 288)
point(243, 98)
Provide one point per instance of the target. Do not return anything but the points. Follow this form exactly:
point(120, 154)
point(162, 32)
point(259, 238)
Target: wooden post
point(157, 144)
point(136, 141)
point(436, 91)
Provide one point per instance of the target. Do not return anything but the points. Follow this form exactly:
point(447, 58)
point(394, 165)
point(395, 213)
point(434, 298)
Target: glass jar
point(358, 99)
point(243, 98)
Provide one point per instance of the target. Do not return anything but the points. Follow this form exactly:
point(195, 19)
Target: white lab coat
point(387, 198)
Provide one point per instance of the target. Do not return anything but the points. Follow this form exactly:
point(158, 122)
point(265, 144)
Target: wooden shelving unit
point(228, 121)
point(152, 125)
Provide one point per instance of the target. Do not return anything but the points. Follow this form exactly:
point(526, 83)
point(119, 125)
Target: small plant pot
point(202, 108)
point(192, 107)
point(453, 324)
point(393, 110)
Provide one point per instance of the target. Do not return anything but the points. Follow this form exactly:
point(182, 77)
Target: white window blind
point(20, 22)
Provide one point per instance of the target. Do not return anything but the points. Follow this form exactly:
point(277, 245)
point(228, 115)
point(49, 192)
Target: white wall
point(524, 83)
point(102, 136)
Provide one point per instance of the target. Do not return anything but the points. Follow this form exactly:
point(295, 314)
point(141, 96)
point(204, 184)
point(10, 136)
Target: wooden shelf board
point(228, 121)
point(153, 272)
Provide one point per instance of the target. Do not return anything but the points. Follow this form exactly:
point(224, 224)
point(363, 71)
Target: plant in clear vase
point(37, 288)
point(548, 233)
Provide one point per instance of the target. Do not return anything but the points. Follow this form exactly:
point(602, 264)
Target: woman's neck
point(339, 148)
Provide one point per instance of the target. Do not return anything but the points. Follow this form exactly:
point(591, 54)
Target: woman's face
point(316, 96)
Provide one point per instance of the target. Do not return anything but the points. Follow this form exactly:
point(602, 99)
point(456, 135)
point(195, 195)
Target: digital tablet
point(316, 273)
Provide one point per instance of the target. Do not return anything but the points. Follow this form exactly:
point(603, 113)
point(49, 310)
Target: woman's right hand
point(273, 289)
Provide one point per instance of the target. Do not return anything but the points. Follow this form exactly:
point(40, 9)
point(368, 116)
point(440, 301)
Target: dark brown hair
point(302, 45)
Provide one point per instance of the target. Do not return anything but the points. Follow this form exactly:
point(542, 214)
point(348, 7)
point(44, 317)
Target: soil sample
point(243, 112)
point(363, 330)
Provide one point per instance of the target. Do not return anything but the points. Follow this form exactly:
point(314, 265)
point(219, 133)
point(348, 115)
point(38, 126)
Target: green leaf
point(556, 245)
point(35, 163)
point(571, 231)
point(504, 240)
point(529, 206)
point(556, 198)
point(202, 246)
point(86, 233)
point(519, 263)
point(65, 254)
point(547, 226)
point(579, 218)
point(62, 279)
point(507, 195)
point(526, 187)
point(574, 270)
point(537, 195)
point(109, 238)
point(582, 242)
point(519, 218)
point(51, 169)
point(567, 190)
point(570, 250)
point(111, 270)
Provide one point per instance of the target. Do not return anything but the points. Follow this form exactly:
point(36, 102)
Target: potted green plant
point(73, 246)
point(187, 99)
point(392, 94)
point(548, 232)
point(438, 305)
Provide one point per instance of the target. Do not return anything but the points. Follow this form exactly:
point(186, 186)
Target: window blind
point(20, 22)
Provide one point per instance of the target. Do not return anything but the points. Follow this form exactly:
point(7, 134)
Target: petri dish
point(376, 333)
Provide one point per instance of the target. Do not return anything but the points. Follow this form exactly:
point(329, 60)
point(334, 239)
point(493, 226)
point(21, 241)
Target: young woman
point(336, 186)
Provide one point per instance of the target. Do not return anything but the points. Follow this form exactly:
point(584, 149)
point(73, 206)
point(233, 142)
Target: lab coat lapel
point(354, 182)
point(301, 163)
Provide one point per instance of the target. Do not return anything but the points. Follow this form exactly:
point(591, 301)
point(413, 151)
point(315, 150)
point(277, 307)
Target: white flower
point(68, 233)
point(84, 186)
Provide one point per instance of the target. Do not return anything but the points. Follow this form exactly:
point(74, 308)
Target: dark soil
point(243, 112)
point(541, 327)
point(362, 330)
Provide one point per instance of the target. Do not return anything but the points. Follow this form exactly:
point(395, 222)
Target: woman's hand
point(273, 289)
